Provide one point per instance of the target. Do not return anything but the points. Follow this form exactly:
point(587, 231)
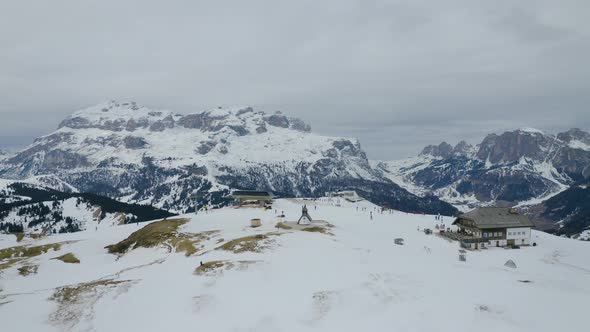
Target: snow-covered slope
point(356, 279)
point(31, 207)
point(136, 154)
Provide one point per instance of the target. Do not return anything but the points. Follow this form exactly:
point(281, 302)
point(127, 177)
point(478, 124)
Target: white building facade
point(518, 236)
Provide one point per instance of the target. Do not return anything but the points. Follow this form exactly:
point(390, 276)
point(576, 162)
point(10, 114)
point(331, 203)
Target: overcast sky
point(396, 74)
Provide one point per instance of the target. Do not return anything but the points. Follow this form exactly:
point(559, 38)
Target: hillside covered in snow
point(135, 154)
point(214, 272)
point(34, 207)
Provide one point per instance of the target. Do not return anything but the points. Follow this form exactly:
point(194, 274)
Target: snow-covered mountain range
point(523, 167)
point(136, 154)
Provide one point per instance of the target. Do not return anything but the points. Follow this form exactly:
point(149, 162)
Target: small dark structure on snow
point(305, 217)
point(510, 263)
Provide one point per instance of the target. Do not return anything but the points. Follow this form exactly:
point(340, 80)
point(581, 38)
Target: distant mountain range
point(523, 168)
point(138, 155)
point(134, 154)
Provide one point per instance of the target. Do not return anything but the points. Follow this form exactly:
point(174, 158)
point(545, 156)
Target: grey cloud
point(396, 74)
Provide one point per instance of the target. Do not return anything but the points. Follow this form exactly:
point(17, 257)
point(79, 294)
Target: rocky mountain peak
point(118, 116)
point(576, 138)
point(530, 131)
point(443, 150)
point(129, 116)
point(463, 149)
point(446, 150)
point(512, 145)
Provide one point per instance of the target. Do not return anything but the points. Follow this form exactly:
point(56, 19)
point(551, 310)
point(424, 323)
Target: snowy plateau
point(213, 272)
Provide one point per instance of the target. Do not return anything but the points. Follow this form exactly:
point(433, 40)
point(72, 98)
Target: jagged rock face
point(129, 152)
point(573, 135)
point(132, 142)
point(511, 146)
point(277, 120)
point(443, 150)
point(463, 149)
point(504, 169)
point(194, 121)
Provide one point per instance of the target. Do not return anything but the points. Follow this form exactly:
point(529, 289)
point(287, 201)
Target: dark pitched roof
point(251, 193)
point(496, 217)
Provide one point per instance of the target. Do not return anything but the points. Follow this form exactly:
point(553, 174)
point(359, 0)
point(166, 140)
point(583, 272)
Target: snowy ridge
point(579, 145)
point(531, 130)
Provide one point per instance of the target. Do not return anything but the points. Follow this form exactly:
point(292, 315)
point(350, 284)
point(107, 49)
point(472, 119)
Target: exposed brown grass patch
point(8, 263)
point(208, 267)
point(282, 225)
point(76, 302)
point(68, 294)
point(252, 243)
point(68, 258)
point(10, 256)
point(163, 233)
point(149, 236)
point(317, 229)
point(19, 236)
point(26, 270)
point(216, 267)
point(29, 251)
